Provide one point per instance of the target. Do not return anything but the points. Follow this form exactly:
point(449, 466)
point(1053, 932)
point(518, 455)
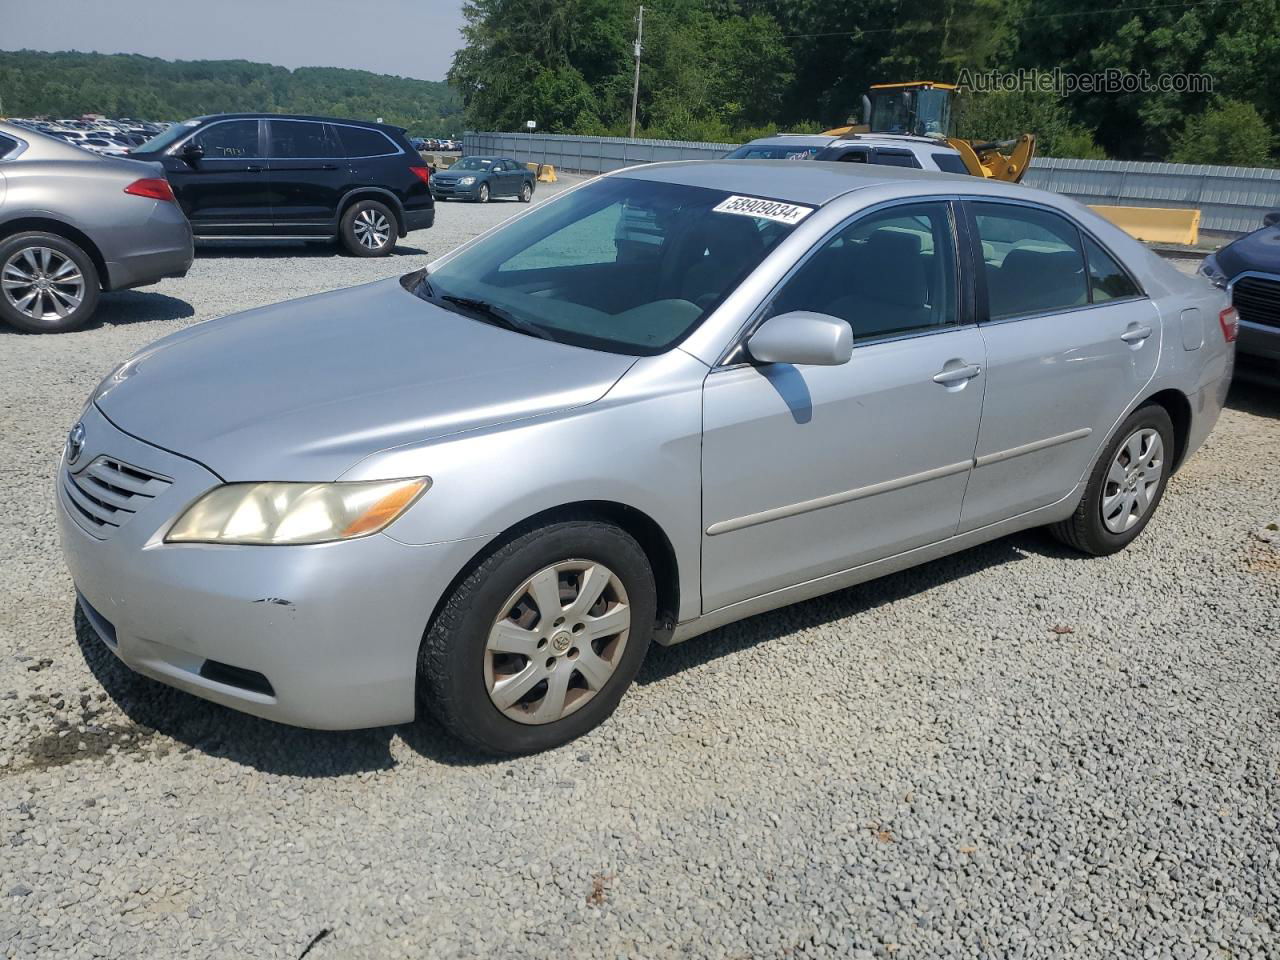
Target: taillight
point(156, 188)
point(422, 173)
point(1229, 320)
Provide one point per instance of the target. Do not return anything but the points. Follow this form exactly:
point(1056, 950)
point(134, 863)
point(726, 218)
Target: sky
point(410, 38)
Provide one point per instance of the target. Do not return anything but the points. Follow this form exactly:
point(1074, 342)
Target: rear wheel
point(1125, 487)
point(526, 192)
point(537, 646)
point(368, 229)
point(47, 283)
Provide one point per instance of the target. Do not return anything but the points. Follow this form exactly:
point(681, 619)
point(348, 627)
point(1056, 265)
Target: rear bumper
point(322, 636)
point(1206, 407)
point(419, 219)
point(168, 251)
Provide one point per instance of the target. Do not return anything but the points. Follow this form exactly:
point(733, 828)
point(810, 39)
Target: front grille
point(1258, 300)
point(106, 494)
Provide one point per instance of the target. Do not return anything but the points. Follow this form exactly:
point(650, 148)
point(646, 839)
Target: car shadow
point(267, 249)
point(664, 662)
point(126, 308)
point(1255, 396)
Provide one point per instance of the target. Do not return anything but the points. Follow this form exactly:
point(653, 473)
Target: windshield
point(167, 139)
point(625, 265)
point(473, 163)
point(772, 151)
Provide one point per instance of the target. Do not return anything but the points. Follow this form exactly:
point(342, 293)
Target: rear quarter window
point(7, 145)
point(363, 142)
point(949, 162)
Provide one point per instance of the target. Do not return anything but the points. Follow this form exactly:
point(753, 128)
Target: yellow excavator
point(922, 108)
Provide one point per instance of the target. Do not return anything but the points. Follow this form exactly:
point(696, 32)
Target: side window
point(7, 145)
point(230, 140)
point(298, 139)
point(885, 273)
point(949, 163)
point(896, 158)
point(1034, 262)
point(363, 142)
point(854, 156)
point(1107, 280)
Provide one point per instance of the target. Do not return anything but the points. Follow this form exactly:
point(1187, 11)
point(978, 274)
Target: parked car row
point(113, 138)
point(426, 144)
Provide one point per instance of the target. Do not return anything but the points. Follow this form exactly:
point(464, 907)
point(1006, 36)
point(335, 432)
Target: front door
point(810, 470)
point(308, 175)
point(1071, 342)
point(224, 191)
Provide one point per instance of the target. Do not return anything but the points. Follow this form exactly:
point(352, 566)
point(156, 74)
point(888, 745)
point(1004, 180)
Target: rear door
point(1071, 342)
point(308, 173)
point(225, 192)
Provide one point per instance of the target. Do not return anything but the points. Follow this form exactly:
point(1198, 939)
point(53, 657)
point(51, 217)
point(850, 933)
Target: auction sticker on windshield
point(788, 213)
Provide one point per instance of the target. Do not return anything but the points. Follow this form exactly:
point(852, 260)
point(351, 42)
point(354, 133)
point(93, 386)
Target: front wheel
point(368, 229)
point(47, 283)
point(483, 195)
point(537, 646)
point(1125, 487)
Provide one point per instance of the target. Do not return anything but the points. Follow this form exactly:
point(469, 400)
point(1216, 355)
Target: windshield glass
point(166, 139)
point(625, 265)
point(473, 163)
point(772, 151)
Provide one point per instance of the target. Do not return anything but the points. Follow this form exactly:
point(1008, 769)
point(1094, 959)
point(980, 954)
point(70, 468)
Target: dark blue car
point(1250, 268)
point(481, 178)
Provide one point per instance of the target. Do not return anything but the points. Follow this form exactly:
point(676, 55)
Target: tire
point(483, 195)
point(526, 192)
point(56, 307)
point(368, 229)
point(1110, 515)
point(457, 669)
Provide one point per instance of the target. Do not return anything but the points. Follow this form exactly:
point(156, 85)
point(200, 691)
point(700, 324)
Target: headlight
point(466, 181)
point(1209, 268)
point(295, 513)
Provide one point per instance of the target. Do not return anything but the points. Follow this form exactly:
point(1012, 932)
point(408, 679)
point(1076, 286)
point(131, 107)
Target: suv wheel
point(47, 283)
point(368, 229)
point(537, 646)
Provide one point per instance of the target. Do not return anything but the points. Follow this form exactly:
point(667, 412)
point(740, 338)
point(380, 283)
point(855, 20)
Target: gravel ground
point(1011, 752)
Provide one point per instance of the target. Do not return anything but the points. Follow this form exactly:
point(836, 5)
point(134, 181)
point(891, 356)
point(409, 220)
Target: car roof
point(817, 182)
point(793, 140)
point(296, 116)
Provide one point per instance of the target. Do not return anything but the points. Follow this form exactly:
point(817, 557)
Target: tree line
point(147, 88)
point(728, 70)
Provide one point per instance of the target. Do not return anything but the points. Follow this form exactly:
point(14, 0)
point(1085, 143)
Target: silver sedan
point(73, 224)
point(665, 400)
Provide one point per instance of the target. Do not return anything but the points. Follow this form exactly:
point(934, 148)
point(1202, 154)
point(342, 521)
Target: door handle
point(329, 166)
point(252, 169)
point(1136, 334)
point(957, 374)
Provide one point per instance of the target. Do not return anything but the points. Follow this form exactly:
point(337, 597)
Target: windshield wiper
point(496, 315)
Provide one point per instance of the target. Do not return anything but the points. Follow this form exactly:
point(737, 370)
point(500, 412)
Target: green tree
point(1002, 116)
point(1228, 132)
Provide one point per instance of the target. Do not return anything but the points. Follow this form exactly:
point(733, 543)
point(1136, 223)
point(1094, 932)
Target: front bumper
point(450, 192)
point(332, 629)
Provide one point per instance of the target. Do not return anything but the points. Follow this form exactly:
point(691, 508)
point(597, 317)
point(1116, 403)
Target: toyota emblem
point(75, 443)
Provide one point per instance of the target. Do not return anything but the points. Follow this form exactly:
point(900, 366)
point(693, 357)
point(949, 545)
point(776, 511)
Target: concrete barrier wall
point(1230, 199)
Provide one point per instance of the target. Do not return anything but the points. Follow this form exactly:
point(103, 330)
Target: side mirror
point(1271, 218)
point(192, 152)
point(802, 337)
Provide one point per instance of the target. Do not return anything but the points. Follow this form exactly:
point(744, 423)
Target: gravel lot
point(1012, 752)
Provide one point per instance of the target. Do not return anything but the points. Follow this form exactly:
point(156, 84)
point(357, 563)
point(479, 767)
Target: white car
point(890, 150)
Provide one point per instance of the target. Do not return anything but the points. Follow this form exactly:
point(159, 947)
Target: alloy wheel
point(372, 229)
point(1133, 480)
point(557, 641)
point(42, 283)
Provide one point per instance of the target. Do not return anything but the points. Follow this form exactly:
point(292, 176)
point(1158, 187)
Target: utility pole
point(635, 89)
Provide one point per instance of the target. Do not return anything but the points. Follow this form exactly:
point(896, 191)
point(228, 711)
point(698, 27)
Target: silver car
point(73, 223)
point(665, 400)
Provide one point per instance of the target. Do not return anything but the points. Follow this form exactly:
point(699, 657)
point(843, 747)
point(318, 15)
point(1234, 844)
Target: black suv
point(250, 175)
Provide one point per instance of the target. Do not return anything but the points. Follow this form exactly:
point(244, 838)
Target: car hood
point(451, 175)
point(1259, 250)
point(304, 390)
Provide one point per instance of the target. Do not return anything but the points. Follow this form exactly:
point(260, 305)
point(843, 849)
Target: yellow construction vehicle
point(922, 108)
